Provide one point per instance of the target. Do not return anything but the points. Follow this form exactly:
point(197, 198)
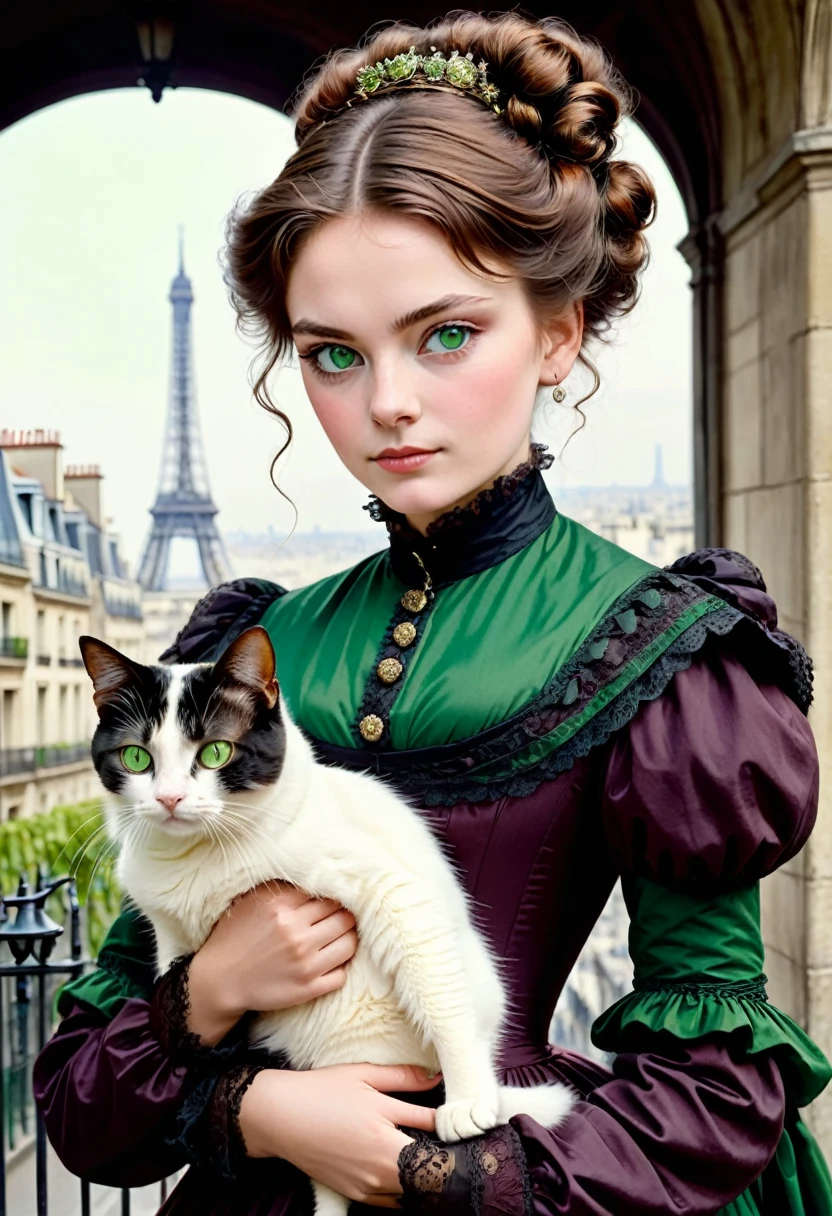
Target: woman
point(448, 235)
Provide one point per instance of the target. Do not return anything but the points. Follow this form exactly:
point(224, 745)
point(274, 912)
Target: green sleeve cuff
point(694, 1011)
point(126, 968)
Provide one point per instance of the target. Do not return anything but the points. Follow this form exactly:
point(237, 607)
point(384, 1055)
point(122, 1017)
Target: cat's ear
point(109, 669)
point(249, 662)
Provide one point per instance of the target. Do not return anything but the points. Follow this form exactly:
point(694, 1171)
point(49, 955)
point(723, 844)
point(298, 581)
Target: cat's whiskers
point(235, 845)
point(94, 815)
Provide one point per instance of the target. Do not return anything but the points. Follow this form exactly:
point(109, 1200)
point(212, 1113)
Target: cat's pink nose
point(170, 801)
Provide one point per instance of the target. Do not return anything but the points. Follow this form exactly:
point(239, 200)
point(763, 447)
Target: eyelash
point(310, 355)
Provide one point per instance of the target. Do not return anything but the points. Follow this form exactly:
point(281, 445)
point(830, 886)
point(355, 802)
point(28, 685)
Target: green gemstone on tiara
point(434, 66)
point(370, 77)
point(408, 66)
point(402, 67)
point(461, 71)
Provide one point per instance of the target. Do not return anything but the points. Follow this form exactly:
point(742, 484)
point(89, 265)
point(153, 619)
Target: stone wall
point(776, 476)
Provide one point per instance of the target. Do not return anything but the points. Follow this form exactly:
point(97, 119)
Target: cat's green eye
point(136, 759)
point(215, 755)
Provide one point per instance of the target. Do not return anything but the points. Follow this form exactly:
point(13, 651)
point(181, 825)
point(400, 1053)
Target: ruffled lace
point(486, 1175)
point(690, 1011)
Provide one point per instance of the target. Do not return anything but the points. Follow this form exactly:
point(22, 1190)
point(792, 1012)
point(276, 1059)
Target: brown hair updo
point(533, 189)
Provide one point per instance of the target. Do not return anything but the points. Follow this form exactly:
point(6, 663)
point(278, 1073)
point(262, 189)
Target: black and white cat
point(214, 790)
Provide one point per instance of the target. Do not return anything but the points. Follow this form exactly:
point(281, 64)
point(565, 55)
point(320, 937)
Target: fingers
point(331, 928)
point(316, 910)
point(405, 1114)
point(337, 953)
point(396, 1078)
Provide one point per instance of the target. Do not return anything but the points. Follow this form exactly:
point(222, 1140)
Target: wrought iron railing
point(30, 974)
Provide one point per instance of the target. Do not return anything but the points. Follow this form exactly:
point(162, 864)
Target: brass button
point(371, 728)
point(414, 601)
point(389, 670)
point(404, 634)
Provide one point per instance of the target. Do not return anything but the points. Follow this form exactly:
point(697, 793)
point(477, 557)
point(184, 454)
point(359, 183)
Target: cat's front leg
point(472, 1093)
point(411, 937)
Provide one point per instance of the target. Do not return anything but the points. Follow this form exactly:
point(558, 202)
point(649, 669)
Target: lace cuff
point(169, 1009)
point(486, 1175)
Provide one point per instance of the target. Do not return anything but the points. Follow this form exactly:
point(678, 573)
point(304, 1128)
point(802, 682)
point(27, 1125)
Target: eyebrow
point(307, 326)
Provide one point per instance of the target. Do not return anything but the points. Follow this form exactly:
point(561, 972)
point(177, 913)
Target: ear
point(249, 661)
point(109, 670)
point(562, 338)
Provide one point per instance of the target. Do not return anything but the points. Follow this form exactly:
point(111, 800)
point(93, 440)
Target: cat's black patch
point(129, 716)
point(211, 709)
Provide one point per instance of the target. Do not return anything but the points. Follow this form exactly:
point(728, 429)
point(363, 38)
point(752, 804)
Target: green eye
point(136, 759)
point(341, 358)
point(450, 337)
point(215, 755)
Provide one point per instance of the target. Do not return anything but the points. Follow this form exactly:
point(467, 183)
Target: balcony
point(61, 753)
point(44, 660)
point(65, 662)
point(14, 760)
point(16, 649)
point(26, 762)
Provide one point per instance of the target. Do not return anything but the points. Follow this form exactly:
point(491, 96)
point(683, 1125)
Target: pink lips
point(403, 460)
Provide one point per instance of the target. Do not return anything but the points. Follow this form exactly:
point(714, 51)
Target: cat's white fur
point(422, 987)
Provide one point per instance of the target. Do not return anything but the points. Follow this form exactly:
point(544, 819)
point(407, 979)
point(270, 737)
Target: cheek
point(342, 416)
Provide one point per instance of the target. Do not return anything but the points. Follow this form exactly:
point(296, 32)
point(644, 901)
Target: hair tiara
point(416, 71)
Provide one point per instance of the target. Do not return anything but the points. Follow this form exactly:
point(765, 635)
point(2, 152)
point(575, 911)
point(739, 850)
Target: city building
point(61, 575)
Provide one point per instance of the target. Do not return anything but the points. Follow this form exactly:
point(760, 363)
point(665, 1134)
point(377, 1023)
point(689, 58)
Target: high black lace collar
point(496, 524)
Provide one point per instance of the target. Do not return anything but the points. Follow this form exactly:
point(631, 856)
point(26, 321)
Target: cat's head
point(178, 746)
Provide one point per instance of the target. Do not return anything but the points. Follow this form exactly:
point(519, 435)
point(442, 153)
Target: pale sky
point(92, 192)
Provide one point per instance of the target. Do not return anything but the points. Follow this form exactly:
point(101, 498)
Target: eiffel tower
point(183, 505)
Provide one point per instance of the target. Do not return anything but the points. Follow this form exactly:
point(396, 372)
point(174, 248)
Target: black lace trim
point(444, 776)
point(503, 487)
point(600, 729)
point(718, 570)
point(486, 1175)
point(169, 1009)
point(743, 990)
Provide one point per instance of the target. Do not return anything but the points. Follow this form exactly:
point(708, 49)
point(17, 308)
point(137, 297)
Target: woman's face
point(422, 373)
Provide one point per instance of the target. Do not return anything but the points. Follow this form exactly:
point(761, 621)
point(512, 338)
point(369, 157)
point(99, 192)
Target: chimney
point(37, 454)
point(84, 483)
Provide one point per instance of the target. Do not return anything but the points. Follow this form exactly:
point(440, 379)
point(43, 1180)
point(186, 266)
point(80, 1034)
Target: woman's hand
point(339, 1124)
point(275, 947)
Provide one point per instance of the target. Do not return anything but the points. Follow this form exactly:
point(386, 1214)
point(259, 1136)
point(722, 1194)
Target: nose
point(392, 404)
point(169, 801)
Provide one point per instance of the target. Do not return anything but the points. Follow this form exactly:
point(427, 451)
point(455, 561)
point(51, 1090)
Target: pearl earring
point(559, 393)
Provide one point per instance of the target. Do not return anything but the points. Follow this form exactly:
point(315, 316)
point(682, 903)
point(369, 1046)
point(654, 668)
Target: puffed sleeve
point(220, 617)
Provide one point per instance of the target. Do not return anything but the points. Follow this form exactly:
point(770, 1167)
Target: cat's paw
point(467, 1117)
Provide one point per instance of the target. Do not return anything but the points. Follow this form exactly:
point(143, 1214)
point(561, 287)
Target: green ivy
point(65, 840)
